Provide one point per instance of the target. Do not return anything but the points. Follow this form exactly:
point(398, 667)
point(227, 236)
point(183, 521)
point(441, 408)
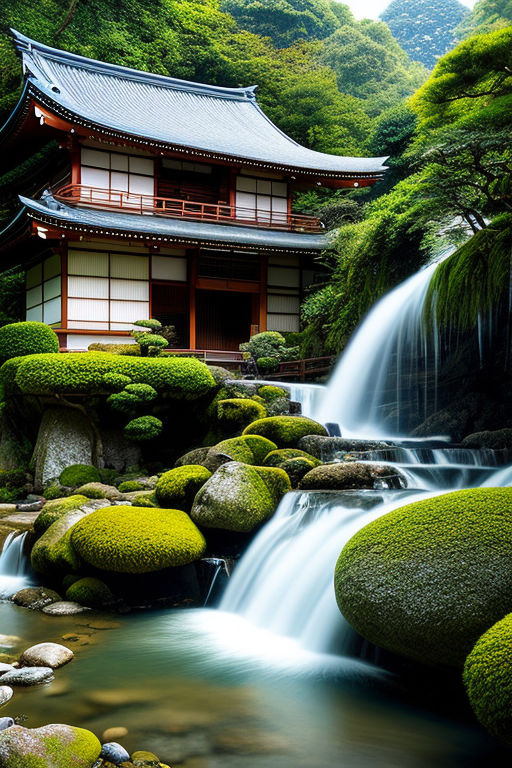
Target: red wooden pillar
point(192, 278)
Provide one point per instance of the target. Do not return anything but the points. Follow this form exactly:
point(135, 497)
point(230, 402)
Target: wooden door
point(223, 319)
point(170, 305)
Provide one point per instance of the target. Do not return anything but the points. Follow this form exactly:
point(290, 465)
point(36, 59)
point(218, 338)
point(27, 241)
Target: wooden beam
point(263, 292)
point(192, 279)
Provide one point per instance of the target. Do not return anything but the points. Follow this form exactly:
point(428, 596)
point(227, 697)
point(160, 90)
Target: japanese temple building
point(172, 200)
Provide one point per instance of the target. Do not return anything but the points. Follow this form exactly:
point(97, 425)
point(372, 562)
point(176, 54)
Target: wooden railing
point(302, 369)
point(128, 202)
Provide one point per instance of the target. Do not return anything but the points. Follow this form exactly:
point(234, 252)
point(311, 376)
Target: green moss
point(109, 476)
point(56, 509)
point(177, 488)
point(90, 592)
point(428, 578)
point(137, 540)
point(285, 431)
point(269, 392)
point(144, 500)
point(69, 579)
point(99, 491)
point(279, 457)
point(488, 679)
point(11, 495)
point(297, 468)
point(27, 338)
point(52, 746)
point(236, 413)
point(53, 554)
point(249, 449)
point(79, 474)
point(53, 491)
point(82, 373)
point(129, 486)
point(143, 428)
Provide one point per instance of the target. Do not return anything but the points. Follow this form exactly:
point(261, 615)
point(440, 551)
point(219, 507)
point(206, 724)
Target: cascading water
point(14, 566)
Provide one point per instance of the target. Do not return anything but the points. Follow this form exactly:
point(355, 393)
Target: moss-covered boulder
point(488, 679)
point(351, 476)
point(236, 413)
point(239, 497)
point(496, 440)
point(145, 499)
point(279, 457)
point(296, 469)
point(428, 578)
point(53, 554)
point(90, 592)
point(129, 486)
point(79, 474)
point(100, 491)
point(270, 392)
point(285, 431)
point(249, 449)
point(137, 539)
point(53, 746)
point(177, 488)
point(196, 456)
point(56, 509)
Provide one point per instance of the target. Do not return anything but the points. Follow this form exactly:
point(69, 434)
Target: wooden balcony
point(147, 205)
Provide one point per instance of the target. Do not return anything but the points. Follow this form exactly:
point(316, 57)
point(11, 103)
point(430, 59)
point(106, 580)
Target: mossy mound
point(269, 392)
point(352, 475)
point(248, 449)
point(128, 486)
point(496, 440)
point(177, 488)
point(239, 497)
point(137, 539)
point(285, 431)
point(26, 338)
point(279, 457)
point(145, 500)
point(53, 746)
point(428, 578)
point(90, 592)
point(56, 509)
point(53, 554)
point(100, 491)
point(297, 468)
point(236, 413)
point(488, 679)
point(79, 474)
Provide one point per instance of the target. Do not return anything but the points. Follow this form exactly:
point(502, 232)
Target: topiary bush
point(286, 431)
point(177, 488)
point(143, 428)
point(137, 539)
point(428, 578)
point(488, 679)
point(27, 338)
point(235, 414)
point(91, 592)
point(132, 396)
point(269, 344)
point(115, 382)
point(267, 365)
point(268, 392)
point(55, 509)
point(79, 474)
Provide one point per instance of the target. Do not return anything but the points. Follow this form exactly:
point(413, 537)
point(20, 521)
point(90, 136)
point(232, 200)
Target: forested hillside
point(425, 28)
point(487, 15)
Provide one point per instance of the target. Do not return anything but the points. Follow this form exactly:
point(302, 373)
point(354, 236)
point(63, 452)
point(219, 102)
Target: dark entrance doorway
point(223, 319)
point(170, 305)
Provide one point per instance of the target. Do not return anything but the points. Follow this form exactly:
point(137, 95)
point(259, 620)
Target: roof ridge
point(27, 46)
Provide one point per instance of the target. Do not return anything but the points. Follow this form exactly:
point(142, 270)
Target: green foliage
point(177, 488)
point(488, 679)
point(82, 373)
point(269, 393)
point(137, 540)
point(425, 28)
point(149, 343)
point(153, 325)
point(267, 365)
point(146, 500)
point(486, 16)
point(53, 491)
point(79, 474)
point(428, 578)
point(235, 414)
point(131, 397)
point(143, 428)
point(91, 592)
point(115, 382)
point(55, 509)
point(269, 344)
point(12, 295)
point(285, 431)
point(128, 486)
point(27, 338)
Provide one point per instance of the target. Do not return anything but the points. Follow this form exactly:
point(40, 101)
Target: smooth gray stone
point(114, 753)
point(6, 722)
point(6, 694)
point(28, 676)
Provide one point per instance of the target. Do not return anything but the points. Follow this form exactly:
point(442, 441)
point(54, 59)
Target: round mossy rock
point(56, 509)
point(53, 554)
point(196, 456)
point(297, 467)
point(53, 746)
point(128, 486)
point(137, 539)
point(285, 431)
point(79, 474)
point(90, 592)
point(269, 392)
point(282, 455)
point(177, 488)
point(27, 338)
point(239, 497)
point(248, 449)
point(428, 578)
point(236, 413)
point(353, 475)
point(488, 679)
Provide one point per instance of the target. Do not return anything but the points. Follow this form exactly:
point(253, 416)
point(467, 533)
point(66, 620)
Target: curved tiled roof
point(134, 225)
point(226, 122)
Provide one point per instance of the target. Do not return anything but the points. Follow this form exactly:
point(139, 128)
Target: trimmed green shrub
point(428, 578)
point(129, 486)
point(286, 431)
point(152, 324)
point(56, 509)
point(131, 350)
point(90, 592)
point(488, 679)
point(115, 382)
point(269, 344)
point(143, 428)
point(82, 373)
point(239, 497)
point(177, 488)
point(235, 414)
point(27, 338)
point(137, 539)
point(79, 474)
point(268, 392)
point(267, 364)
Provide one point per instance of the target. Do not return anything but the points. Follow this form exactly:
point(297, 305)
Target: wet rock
point(33, 506)
point(111, 734)
point(326, 448)
point(141, 759)
point(352, 476)
point(64, 608)
point(53, 746)
point(46, 655)
point(496, 440)
point(27, 676)
point(5, 668)
point(6, 722)
point(114, 753)
point(6, 694)
point(35, 598)
point(197, 456)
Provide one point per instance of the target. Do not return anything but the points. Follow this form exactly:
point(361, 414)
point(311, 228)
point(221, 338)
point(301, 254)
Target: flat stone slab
point(20, 520)
point(64, 608)
point(28, 676)
point(46, 655)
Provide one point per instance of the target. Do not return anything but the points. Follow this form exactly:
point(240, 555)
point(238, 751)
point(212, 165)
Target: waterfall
point(14, 565)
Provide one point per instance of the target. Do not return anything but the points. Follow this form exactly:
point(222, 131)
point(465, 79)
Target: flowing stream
point(14, 568)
